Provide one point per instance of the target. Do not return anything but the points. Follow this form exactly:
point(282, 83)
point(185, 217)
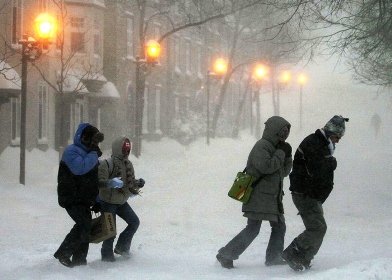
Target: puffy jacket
point(266, 199)
point(78, 173)
point(116, 166)
point(313, 167)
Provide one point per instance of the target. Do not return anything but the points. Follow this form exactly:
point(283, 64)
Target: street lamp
point(220, 69)
point(301, 80)
point(260, 72)
point(151, 53)
point(31, 51)
point(285, 78)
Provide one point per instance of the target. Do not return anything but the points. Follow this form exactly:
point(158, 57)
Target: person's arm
point(79, 162)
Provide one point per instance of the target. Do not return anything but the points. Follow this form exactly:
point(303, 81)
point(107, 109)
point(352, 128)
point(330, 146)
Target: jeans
point(125, 212)
point(76, 243)
point(239, 243)
point(312, 215)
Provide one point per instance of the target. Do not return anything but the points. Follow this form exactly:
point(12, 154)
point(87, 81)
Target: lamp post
point(301, 80)
point(259, 74)
point(220, 68)
point(31, 51)
point(285, 78)
point(152, 52)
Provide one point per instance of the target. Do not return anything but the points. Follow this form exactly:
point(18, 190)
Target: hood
point(117, 147)
point(272, 128)
point(78, 135)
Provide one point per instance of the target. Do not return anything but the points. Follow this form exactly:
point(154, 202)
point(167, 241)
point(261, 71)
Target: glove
point(285, 147)
point(140, 183)
point(96, 207)
point(115, 183)
point(97, 138)
point(96, 148)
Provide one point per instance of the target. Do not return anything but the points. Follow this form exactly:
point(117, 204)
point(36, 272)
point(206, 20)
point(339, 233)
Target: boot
point(294, 255)
point(226, 263)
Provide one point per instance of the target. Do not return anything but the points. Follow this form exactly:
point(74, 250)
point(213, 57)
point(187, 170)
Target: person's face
point(126, 148)
point(335, 139)
point(283, 134)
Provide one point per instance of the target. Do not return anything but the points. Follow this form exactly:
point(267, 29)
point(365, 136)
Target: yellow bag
point(242, 187)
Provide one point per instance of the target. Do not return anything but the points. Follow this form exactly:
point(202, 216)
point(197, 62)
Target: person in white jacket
point(116, 184)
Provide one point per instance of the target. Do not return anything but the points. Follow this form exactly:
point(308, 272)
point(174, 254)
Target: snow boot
point(63, 259)
point(294, 255)
point(125, 254)
point(226, 263)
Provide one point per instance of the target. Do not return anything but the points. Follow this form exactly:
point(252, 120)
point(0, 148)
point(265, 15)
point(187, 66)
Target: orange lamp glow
point(153, 51)
point(45, 25)
point(260, 71)
point(302, 79)
point(286, 77)
point(220, 66)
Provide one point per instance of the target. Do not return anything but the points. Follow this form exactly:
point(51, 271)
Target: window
point(77, 22)
point(97, 44)
point(177, 55)
point(43, 6)
point(16, 31)
point(15, 120)
point(130, 35)
point(76, 117)
point(43, 111)
point(188, 58)
point(77, 42)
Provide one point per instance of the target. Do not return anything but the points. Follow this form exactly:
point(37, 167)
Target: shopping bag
point(242, 187)
point(102, 228)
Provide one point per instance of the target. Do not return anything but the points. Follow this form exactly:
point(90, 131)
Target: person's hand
point(115, 183)
point(96, 207)
point(140, 183)
point(97, 138)
point(285, 147)
point(96, 149)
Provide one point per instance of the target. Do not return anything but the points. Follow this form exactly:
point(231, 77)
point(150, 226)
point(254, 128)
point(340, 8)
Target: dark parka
point(265, 202)
point(313, 167)
point(78, 173)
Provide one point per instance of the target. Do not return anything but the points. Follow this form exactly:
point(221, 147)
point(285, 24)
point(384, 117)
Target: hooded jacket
point(117, 165)
point(78, 173)
point(265, 202)
point(313, 167)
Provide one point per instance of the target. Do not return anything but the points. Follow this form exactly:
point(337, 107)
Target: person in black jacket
point(77, 192)
point(311, 182)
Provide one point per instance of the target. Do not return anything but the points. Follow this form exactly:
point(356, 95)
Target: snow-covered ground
point(186, 215)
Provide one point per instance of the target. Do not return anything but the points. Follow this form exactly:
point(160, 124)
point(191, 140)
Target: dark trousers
point(312, 215)
point(125, 212)
point(76, 243)
point(241, 241)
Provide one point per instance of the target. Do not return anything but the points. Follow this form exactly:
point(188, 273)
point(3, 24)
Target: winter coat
point(313, 167)
point(78, 173)
point(116, 166)
point(265, 202)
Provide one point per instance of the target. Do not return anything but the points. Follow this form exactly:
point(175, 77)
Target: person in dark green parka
point(271, 157)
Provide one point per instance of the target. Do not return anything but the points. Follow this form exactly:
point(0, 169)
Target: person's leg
point(275, 246)
point(107, 245)
point(303, 248)
point(241, 241)
point(78, 235)
point(125, 238)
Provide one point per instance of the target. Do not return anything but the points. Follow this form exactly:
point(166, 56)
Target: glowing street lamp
point(302, 79)
point(31, 51)
point(220, 69)
point(153, 51)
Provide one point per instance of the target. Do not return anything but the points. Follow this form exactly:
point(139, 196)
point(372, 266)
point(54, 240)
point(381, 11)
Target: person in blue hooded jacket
point(77, 190)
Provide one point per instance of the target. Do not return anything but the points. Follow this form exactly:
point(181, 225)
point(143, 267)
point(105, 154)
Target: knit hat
point(335, 126)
